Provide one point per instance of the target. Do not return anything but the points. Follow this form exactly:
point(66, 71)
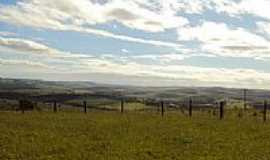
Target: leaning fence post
point(221, 115)
point(122, 106)
point(54, 106)
point(190, 107)
point(162, 108)
point(85, 106)
point(265, 111)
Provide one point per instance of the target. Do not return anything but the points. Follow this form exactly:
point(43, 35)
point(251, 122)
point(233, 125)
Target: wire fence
point(245, 106)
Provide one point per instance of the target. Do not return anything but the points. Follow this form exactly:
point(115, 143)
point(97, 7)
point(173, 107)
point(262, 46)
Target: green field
point(131, 136)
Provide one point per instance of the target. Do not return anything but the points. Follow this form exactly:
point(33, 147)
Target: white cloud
point(24, 45)
point(148, 16)
point(17, 63)
point(258, 8)
point(172, 73)
point(121, 37)
point(191, 6)
point(4, 33)
point(163, 58)
point(124, 50)
point(219, 39)
point(264, 28)
point(191, 74)
point(234, 8)
point(230, 7)
point(67, 63)
point(216, 32)
point(76, 15)
point(144, 15)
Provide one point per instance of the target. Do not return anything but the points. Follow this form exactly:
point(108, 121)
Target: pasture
point(100, 135)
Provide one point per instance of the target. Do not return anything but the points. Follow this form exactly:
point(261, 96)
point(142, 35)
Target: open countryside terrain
point(140, 132)
point(112, 135)
point(134, 79)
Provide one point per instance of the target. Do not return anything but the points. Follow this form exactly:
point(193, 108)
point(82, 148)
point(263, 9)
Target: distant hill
point(40, 84)
point(202, 94)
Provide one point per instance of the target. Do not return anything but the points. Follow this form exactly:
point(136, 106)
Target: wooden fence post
point(85, 106)
point(245, 99)
point(190, 107)
point(21, 106)
point(265, 111)
point(215, 108)
point(158, 107)
point(54, 106)
point(221, 111)
point(122, 106)
point(162, 108)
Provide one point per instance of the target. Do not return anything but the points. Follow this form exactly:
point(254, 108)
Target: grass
point(131, 136)
point(109, 104)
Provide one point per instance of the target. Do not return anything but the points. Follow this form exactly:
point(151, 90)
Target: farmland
point(140, 132)
point(112, 135)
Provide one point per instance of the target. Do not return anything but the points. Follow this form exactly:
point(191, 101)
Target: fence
point(217, 109)
point(188, 106)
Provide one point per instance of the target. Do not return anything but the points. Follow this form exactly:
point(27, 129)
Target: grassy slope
point(98, 135)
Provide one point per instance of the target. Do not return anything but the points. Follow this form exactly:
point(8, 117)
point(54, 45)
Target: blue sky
point(138, 42)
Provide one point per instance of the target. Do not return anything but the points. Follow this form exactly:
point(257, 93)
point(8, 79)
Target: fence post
point(21, 106)
point(215, 108)
point(122, 106)
point(221, 115)
point(190, 107)
point(54, 106)
point(158, 107)
point(85, 106)
point(265, 111)
point(162, 108)
point(245, 99)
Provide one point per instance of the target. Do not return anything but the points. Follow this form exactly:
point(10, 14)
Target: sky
point(138, 42)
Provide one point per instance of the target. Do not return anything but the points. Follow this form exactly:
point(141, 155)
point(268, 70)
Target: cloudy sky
point(139, 42)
